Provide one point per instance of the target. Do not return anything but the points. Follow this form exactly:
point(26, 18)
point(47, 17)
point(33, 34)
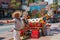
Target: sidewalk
point(6, 36)
point(55, 37)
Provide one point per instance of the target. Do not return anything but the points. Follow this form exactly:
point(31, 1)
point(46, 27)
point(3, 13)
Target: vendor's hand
point(7, 21)
point(10, 21)
point(3, 21)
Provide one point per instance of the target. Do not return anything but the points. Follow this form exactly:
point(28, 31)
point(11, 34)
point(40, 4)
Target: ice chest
point(35, 34)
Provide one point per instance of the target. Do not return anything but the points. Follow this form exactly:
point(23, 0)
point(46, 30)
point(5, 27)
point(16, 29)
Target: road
point(5, 31)
point(6, 28)
point(6, 34)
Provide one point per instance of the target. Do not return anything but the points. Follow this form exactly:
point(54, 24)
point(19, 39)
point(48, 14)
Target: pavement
point(6, 34)
point(5, 31)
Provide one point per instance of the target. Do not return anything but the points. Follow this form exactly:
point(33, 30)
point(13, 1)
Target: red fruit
point(31, 24)
point(36, 25)
point(40, 24)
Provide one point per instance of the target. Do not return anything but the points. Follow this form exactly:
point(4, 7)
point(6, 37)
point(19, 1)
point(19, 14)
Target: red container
point(35, 34)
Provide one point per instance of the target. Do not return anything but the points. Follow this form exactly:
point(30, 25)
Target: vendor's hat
point(16, 13)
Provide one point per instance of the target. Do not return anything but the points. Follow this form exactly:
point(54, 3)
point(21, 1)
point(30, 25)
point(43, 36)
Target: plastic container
point(35, 34)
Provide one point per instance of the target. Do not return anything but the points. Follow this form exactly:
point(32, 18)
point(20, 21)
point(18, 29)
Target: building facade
point(7, 7)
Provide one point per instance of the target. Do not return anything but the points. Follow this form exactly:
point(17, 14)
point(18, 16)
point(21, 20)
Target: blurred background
point(7, 7)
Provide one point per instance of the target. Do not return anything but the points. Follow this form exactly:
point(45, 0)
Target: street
point(6, 34)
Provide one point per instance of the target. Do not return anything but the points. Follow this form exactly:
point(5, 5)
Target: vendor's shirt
point(19, 24)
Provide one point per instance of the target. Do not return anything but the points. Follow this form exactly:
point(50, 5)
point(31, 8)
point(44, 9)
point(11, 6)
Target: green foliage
point(13, 1)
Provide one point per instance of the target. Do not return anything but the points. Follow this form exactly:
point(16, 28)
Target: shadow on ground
point(1, 38)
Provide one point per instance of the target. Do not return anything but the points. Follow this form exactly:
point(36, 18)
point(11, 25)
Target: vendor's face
point(17, 15)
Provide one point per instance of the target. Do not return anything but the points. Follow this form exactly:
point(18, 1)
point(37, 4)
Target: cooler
point(35, 34)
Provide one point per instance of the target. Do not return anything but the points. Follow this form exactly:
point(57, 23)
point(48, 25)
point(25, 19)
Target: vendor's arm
point(11, 21)
point(7, 21)
point(3, 21)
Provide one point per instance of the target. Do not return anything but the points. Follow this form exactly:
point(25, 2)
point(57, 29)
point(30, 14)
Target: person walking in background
point(50, 11)
point(42, 14)
point(49, 15)
point(48, 29)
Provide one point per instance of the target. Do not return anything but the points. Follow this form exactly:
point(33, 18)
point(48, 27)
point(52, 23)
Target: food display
point(35, 22)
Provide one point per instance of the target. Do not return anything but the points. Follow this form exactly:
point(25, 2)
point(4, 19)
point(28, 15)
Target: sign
point(58, 2)
point(13, 1)
point(41, 3)
point(37, 7)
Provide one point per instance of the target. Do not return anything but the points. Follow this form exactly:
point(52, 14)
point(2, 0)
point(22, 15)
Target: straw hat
point(16, 13)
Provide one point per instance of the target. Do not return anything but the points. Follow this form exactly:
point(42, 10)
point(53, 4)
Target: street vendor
point(42, 13)
point(19, 24)
point(49, 15)
point(46, 18)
